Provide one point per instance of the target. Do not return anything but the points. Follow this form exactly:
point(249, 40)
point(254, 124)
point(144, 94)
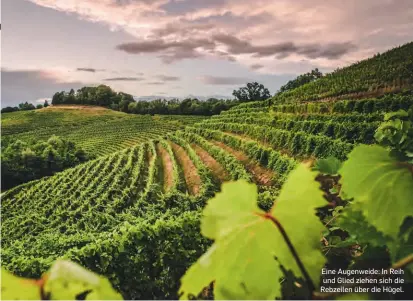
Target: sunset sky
point(187, 47)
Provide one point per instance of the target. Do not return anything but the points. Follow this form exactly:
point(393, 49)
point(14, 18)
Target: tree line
point(103, 95)
point(302, 80)
point(25, 106)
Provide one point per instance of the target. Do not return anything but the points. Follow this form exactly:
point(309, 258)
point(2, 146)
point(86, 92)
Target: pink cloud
point(324, 33)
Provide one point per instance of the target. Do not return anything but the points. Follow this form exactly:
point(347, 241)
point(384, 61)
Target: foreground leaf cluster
point(250, 245)
point(65, 280)
point(245, 259)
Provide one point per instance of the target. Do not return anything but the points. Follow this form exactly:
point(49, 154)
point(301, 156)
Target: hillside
point(133, 213)
point(383, 73)
point(110, 203)
point(97, 130)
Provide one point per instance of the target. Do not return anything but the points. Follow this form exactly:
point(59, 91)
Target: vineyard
point(97, 130)
point(133, 214)
point(101, 213)
point(386, 72)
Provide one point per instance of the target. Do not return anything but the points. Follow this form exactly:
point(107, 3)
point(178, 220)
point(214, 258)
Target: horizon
point(184, 48)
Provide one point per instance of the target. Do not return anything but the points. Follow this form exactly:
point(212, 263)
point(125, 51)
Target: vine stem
point(300, 264)
point(407, 165)
point(398, 265)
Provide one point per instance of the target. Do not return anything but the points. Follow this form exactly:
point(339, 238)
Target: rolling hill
point(97, 130)
point(133, 213)
point(383, 73)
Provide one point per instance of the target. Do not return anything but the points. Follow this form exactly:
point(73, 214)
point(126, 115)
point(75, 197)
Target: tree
point(25, 106)
point(125, 100)
point(302, 80)
point(27, 161)
point(39, 106)
point(217, 108)
point(46, 104)
point(253, 91)
point(58, 98)
point(126, 97)
point(103, 95)
point(132, 107)
point(70, 98)
point(9, 109)
point(158, 106)
point(85, 95)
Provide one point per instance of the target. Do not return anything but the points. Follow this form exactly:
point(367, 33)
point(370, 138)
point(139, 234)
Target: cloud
point(224, 55)
point(182, 29)
point(195, 48)
point(123, 3)
point(218, 80)
point(167, 78)
point(256, 66)
point(148, 46)
point(89, 69)
point(171, 51)
point(327, 33)
point(182, 7)
point(30, 85)
point(329, 51)
point(156, 83)
point(124, 79)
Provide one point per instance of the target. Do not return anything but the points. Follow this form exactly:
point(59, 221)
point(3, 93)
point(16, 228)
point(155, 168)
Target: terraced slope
point(383, 73)
point(97, 130)
point(135, 212)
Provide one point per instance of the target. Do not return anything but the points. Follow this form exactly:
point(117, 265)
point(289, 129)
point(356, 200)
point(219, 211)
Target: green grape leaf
point(17, 288)
point(241, 261)
point(398, 114)
point(221, 214)
point(299, 197)
point(383, 185)
point(403, 247)
point(328, 166)
point(66, 280)
point(354, 222)
point(393, 132)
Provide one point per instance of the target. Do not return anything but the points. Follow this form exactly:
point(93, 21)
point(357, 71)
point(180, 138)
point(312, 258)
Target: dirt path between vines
point(217, 170)
point(192, 179)
point(167, 168)
point(261, 175)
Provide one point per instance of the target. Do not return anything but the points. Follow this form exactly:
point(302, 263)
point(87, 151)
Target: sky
point(186, 47)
